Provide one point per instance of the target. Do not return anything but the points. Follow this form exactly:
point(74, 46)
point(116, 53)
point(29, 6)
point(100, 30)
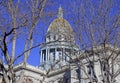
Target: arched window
point(54, 38)
point(60, 37)
point(48, 38)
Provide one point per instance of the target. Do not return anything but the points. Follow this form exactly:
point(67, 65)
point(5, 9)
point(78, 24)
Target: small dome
point(60, 24)
point(60, 29)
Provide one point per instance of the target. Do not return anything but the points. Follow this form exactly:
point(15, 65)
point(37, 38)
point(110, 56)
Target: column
point(41, 57)
point(46, 55)
point(63, 56)
point(55, 54)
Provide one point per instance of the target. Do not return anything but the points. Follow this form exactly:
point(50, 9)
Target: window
point(44, 54)
point(60, 37)
point(103, 66)
point(67, 76)
point(52, 51)
point(91, 70)
point(65, 58)
point(67, 50)
point(78, 71)
point(59, 49)
point(66, 80)
point(67, 53)
point(54, 38)
point(48, 37)
point(54, 56)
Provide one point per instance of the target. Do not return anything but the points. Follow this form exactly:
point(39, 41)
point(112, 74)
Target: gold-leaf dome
point(60, 29)
point(60, 24)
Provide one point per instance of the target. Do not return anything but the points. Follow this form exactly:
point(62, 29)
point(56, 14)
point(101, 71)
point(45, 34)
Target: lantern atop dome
point(60, 12)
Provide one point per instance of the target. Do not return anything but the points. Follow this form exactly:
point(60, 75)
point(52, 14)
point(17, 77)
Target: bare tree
point(21, 17)
point(97, 34)
point(97, 28)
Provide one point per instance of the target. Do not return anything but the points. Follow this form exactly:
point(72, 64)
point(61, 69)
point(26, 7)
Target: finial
point(60, 12)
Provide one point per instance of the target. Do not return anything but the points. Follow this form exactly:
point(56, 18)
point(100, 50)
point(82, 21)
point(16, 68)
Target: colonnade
point(53, 54)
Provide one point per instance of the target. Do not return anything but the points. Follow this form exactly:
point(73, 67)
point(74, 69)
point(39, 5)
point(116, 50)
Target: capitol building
point(61, 60)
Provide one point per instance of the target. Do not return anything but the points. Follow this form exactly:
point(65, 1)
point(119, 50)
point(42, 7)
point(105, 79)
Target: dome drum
point(60, 30)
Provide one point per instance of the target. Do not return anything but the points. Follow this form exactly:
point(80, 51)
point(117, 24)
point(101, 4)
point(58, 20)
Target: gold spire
point(60, 12)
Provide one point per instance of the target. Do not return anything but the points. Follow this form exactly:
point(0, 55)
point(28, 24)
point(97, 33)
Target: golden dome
point(60, 29)
point(60, 24)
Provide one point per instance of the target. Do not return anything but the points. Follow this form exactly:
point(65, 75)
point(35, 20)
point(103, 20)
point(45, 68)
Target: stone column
point(63, 54)
point(41, 57)
point(46, 55)
point(55, 53)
